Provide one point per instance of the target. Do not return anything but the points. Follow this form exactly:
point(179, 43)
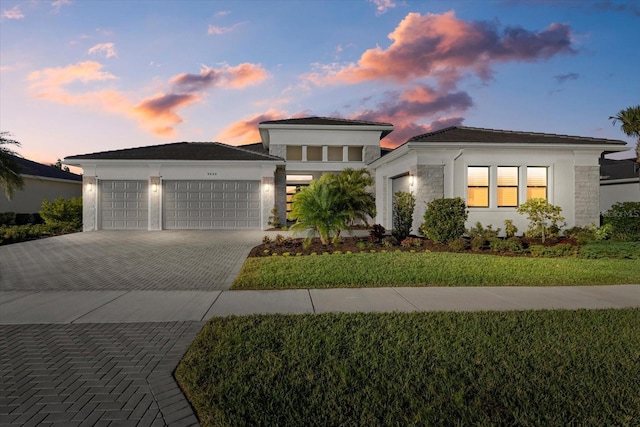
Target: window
point(507, 186)
point(294, 152)
point(478, 186)
point(314, 154)
point(334, 154)
point(355, 154)
point(536, 183)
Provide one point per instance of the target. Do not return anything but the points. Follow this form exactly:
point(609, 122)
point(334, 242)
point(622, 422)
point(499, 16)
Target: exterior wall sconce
point(154, 187)
point(89, 186)
point(155, 181)
point(266, 188)
point(411, 180)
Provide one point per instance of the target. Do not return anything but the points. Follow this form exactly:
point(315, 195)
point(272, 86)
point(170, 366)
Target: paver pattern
point(127, 260)
point(100, 374)
point(94, 374)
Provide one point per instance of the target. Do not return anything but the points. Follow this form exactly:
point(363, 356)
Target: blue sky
point(79, 76)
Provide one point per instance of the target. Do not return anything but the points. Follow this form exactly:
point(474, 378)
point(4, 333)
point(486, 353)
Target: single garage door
point(124, 205)
point(211, 204)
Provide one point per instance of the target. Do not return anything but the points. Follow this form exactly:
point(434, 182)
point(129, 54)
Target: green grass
point(430, 269)
point(551, 368)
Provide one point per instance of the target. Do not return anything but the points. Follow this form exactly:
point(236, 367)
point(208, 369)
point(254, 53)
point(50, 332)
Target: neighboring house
point(619, 182)
point(40, 182)
point(213, 185)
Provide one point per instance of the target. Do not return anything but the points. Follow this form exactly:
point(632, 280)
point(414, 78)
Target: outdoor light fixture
point(266, 188)
point(89, 186)
point(411, 180)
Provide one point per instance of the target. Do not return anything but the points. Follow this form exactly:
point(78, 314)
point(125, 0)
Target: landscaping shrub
point(544, 218)
point(403, 206)
point(63, 214)
point(582, 235)
point(561, 250)
point(7, 218)
point(624, 218)
point(610, 249)
point(510, 230)
point(21, 233)
point(376, 234)
point(444, 220)
point(481, 236)
point(512, 244)
point(457, 245)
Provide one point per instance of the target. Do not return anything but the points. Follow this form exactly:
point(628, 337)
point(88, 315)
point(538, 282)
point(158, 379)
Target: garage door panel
point(211, 204)
point(124, 205)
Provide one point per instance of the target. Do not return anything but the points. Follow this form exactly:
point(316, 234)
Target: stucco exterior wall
point(612, 192)
point(29, 199)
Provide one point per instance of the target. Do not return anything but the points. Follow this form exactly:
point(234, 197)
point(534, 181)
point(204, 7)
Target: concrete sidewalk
point(26, 307)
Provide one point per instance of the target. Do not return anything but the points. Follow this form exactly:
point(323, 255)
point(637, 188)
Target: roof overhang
point(264, 128)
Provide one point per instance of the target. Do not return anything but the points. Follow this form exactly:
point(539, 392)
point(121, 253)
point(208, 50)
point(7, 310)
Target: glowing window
point(536, 183)
point(478, 186)
point(507, 186)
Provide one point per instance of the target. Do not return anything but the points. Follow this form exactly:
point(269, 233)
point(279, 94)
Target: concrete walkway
point(27, 307)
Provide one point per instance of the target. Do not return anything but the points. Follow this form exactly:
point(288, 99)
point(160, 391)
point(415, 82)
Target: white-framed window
point(507, 182)
point(478, 186)
point(536, 182)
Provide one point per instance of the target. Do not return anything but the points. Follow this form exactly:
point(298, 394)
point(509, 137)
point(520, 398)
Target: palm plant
point(10, 179)
point(359, 203)
point(316, 208)
point(629, 124)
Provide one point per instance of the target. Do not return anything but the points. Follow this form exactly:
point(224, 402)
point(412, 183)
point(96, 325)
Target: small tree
point(403, 206)
point(444, 219)
point(544, 218)
point(65, 214)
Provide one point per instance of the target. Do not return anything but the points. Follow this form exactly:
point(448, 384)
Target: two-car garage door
point(185, 205)
point(211, 204)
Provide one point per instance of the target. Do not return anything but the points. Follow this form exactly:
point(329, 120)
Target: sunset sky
point(79, 76)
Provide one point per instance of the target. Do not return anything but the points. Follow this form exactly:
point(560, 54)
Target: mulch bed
point(286, 245)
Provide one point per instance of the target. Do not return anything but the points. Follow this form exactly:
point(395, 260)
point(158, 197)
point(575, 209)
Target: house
point(619, 182)
point(40, 182)
point(190, 185)
point(495, 171)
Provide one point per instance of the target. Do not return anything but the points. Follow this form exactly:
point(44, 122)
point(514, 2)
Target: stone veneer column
point(155, 203)
point(278, 150)
point(280, 193)
point(370, 153)
point(89, 202)
point(428, 185)
point(587, 195)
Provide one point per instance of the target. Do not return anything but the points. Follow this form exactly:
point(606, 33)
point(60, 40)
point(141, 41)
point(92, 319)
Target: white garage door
point(124, 205)
point(211, 204)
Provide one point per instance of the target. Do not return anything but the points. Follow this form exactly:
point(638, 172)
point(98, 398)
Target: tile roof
point(258, 147)
point(327, 121)
point(180, 151)
point(471, 134)
point(28, 167)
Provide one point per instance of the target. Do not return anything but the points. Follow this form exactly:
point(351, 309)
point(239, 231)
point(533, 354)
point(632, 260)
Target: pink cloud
point(108, 49)
point(428, 45)
point(159, 112)
point(246, 131)
point(13, 13)
point(237, 77)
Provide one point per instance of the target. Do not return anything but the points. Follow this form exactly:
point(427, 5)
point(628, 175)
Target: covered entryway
point(211, 204)
point(124, 205)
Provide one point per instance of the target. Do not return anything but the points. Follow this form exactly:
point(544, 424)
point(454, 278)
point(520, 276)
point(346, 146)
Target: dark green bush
point(478, 243)
point(403, 205)
point(582, 235)
point(444, 220)
point(561, 250)
point(610, 249)
point(624, 217)
point(65, 214)
point(21, 233)
point(7, 218)
point(512, 244)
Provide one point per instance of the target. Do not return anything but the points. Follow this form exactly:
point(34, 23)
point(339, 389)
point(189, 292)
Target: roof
point(28, 167)
point(470, 134)
point(180, 151)
point(329, 121)
point(256, 146)
point(611, 169)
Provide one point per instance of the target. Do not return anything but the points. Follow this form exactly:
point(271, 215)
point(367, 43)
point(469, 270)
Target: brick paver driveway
point(112, 373)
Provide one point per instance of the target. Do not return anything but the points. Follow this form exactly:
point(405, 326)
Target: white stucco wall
point(159, 171)
point(29, 199)
point(623, 190)
point(561, 184)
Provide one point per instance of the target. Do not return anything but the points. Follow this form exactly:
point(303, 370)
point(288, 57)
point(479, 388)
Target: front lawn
point(430, 269)
point(485, 368)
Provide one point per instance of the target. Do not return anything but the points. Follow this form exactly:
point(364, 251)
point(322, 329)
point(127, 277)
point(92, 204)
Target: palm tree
point(629, 124)
point(357, 201)
point(10, 179)
point(316, 208)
